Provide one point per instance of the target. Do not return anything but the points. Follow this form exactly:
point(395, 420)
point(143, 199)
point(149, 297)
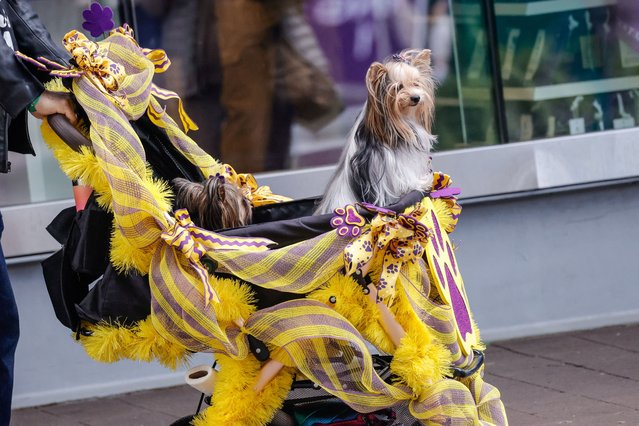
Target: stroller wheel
point(184, 421)
point(280, 419)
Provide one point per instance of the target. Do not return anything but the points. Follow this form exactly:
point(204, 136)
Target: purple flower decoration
point(98, 20)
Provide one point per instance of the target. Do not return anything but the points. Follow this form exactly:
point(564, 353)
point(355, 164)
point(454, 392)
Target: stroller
point(289, 305)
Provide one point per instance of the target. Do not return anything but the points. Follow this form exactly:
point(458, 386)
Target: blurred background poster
point(628, 22)
point(353, 34)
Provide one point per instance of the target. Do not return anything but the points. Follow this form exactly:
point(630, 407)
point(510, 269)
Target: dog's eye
point(400, 87)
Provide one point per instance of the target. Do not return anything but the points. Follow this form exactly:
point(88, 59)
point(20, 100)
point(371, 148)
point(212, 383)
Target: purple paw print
point(367, 246)
point(347, 221)
point(382, 283)
point(392, 269)
point(98, 20)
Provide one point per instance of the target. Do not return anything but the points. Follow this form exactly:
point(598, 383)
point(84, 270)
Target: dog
point(213, 204)
point(388, 151)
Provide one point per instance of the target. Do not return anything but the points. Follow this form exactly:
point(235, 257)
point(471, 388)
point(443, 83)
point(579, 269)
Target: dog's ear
point(185, 193)
point(221, 192)
point(375, 78)
point(421, 61)
point(422, 58)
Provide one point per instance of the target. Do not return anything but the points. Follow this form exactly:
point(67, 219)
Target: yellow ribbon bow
point(257, 195)
point(195, 242)
point(91, 59)
point(398, 238)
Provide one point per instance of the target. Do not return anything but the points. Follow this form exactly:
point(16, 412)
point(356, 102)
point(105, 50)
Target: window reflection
point(569, 67)
point(277, 84)
point(38, 179)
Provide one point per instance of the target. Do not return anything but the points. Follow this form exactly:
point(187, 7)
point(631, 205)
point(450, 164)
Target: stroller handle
point(67, 132)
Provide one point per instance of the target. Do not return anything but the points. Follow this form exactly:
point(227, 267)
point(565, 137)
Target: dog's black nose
point(414, 100)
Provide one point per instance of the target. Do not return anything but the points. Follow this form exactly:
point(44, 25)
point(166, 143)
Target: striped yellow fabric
point(193, 242)
point(424, 300)
point(487, 398)
point(327, 349)
point(180, 313)
point(298, 268)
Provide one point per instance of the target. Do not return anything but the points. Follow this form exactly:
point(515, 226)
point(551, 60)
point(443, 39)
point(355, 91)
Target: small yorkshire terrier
point(213, 204)
point(388, 151)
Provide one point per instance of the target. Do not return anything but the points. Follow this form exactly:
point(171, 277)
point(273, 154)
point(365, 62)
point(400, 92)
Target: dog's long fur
point(388, 151)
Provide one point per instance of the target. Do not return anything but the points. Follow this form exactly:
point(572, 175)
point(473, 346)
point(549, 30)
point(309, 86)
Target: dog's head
point(214, 203)
point(400, 96)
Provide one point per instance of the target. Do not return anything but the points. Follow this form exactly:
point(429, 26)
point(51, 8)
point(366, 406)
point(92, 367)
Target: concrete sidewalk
point(583, 378)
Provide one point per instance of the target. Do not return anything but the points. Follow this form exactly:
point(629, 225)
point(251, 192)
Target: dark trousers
point(9, 332)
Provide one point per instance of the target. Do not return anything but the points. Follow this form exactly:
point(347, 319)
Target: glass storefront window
point(277, 84)
point(568, 67)
point(39, 179)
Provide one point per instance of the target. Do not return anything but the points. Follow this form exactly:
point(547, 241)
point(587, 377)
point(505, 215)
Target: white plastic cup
point(202, 378)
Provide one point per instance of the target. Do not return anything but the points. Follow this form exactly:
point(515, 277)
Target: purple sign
point(628, 22)
point(355, 33)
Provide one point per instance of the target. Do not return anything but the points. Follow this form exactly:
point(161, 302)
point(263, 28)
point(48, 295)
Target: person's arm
point(18, 87)
point(32, 36)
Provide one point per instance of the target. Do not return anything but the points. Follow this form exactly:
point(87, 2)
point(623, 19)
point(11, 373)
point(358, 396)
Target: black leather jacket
point(19, 85)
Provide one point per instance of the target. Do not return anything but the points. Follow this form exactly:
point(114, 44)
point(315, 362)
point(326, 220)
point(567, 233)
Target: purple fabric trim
point(51, 63)
point(445, 193)
point(32, 61)
point(438, 232)
point(462, 317)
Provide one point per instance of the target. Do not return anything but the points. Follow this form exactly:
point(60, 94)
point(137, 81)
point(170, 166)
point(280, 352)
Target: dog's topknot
point(398, 57)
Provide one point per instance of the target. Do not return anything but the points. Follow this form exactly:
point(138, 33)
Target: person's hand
point(55, 103)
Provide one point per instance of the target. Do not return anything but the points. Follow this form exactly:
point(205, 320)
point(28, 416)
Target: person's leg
point(247, 99)
point(245, 42)
point(9, 332)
